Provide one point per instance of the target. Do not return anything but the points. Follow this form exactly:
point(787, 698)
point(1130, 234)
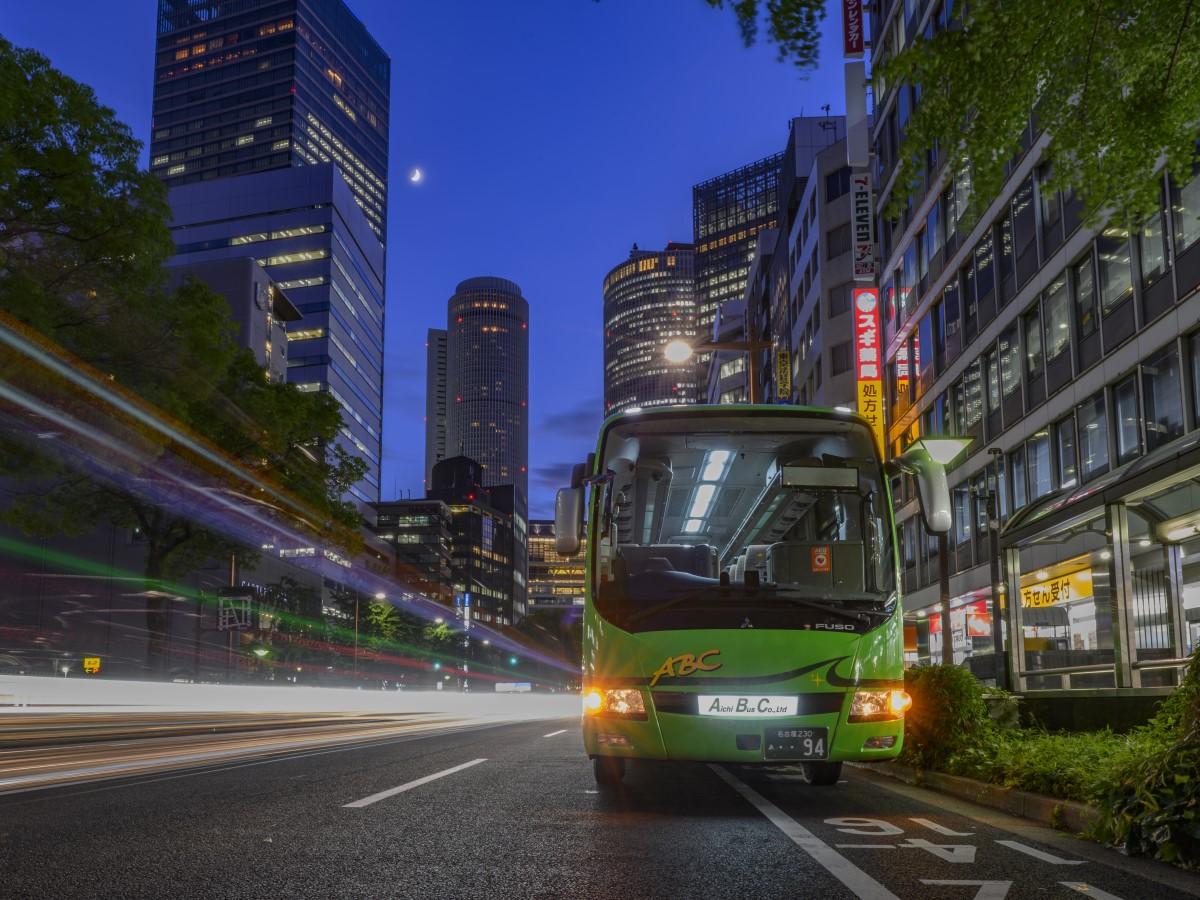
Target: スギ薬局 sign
point(867, 367)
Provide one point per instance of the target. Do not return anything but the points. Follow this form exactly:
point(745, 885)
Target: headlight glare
point(877, 706)
point(617, 703)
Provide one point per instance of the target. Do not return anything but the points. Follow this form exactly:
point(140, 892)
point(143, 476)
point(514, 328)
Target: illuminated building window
point(281, 145)
point(160, 160)
point(247, 239)
point(298, 256)
point(301, 283)
point(263, 122)
point(309, 387)
point(245, 139)
point(176, 170)
point(306, 334)
point(298, 232)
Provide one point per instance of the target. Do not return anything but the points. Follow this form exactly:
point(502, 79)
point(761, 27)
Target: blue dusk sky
point(553, 134)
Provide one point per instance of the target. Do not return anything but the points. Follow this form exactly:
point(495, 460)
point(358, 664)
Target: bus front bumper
point(691, 736)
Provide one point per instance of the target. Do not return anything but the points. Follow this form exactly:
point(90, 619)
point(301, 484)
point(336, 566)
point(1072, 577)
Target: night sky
point(553, 134)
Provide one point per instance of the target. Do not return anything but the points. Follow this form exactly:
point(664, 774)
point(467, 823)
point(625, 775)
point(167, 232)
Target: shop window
point(1162, 392)
point(1149, 608)
point(1016, 465)
point(1010, 362)
point(1032, 324)
point(1116, 280)
point(1125, 410)
point(1085, 297)
point(1065, 612)
point(1064, 439)
point(1185, 207)
point(1037, 458)
point(1093, 437)
point(1058, 318)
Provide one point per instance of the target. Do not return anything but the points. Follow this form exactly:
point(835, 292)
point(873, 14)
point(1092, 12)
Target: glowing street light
point(678, 351)
point(380, 596)
point(260, 652)
point(439, 621)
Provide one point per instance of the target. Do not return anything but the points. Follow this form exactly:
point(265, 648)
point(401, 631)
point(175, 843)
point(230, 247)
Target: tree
point(1114, 83)
point(83, 243)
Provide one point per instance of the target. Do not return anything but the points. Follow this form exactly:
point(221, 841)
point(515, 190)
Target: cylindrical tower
point(649, 300)
point(487, 367)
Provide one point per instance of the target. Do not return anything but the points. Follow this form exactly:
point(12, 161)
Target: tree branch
point(1187, 12)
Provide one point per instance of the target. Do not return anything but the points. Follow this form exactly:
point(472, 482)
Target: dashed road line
point(555, 733)
point(1040, 854)
point(988, 890)
point(392, 792)
point(859, 882)
point(1084, 888)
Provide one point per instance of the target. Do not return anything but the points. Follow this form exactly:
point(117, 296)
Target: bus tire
point(821, 774)
point(608, 770)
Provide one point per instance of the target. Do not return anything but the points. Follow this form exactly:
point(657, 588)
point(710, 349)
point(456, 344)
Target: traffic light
point(512, 660)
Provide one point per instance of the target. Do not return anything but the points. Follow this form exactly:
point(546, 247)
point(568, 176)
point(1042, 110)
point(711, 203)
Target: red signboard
point(852, 27)
point(867, 365)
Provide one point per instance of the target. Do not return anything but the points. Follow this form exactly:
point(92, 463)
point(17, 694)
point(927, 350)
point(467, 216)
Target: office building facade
point(487, 381)
point(649, 300)
point(435, 400)
point(728, 211)
point(246, 86)
point(303, 226)
point(489, 541)
point(421, 537)
point(1071, 356)
point(556, 582)
point(260, 309)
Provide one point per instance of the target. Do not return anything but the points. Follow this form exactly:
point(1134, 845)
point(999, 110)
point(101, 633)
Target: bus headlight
point(878, 706)
point(617, 703)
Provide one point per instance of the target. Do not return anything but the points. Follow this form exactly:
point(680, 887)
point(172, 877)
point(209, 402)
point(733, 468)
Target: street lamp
point(380, 595)
point(439, 621)
point(678, 351)
point(260, 652)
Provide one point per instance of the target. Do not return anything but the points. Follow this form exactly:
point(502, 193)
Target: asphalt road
point(512, 811)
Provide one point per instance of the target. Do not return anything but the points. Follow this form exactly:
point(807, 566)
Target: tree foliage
point(793, 26)
point(83, 243)
point(1114, 83)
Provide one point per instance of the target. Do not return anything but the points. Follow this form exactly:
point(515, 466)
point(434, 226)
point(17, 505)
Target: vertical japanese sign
point(867, 366)
point(852, 28)
point(783, 375)
point(864, 232)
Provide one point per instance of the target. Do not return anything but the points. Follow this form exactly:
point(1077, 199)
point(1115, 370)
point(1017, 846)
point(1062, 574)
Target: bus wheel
point(609, 770)
point(822, 774)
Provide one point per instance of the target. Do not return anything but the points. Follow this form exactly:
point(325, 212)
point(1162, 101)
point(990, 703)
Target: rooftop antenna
point(828, 125)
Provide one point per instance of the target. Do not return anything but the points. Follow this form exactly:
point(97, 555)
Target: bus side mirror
point(568, 520)
point(933, 491)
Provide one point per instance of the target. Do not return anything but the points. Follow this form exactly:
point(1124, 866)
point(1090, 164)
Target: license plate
point(796, 743)
point(755, 706)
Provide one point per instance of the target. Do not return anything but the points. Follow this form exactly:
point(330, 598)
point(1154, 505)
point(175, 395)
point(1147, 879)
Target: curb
point(1065, 815)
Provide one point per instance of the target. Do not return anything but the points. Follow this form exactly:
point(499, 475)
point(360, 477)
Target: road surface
point(511, 810)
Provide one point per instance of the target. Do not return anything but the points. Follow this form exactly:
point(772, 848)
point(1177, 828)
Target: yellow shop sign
point(1052, 591)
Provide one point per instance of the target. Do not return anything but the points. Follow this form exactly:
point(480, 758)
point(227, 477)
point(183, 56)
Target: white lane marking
point(940, 829)
point(1040, 854)
point(954, 853)
point(868, 846)
point(1085, 888)
point(555, 733)
point(392, 792)
point(859, 882)
point(988, 890)
point(857, 825)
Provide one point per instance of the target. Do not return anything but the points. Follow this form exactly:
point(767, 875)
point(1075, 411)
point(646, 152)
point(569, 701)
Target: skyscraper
point(244, 86)
point(648, 300)
point(727, 213)
point(271, 130)
point(435, 401)
point(487, 380)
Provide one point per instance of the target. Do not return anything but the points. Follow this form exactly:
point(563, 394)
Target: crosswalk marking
point(1084, 888)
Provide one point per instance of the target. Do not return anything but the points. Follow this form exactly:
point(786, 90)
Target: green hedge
point(1146, 783)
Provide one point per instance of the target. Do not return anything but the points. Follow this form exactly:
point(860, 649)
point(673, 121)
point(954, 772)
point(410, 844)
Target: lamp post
point(679, 351)
point(942, 451)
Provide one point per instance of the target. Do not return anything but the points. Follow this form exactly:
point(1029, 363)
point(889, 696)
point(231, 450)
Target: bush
point(1152, 804)
point(948, 716)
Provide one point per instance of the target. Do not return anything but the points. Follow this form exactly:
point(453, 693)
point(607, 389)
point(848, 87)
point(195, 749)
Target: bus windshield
point(742, 521)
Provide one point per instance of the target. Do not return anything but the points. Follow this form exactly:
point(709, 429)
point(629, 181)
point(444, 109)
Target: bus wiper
point(853, 616)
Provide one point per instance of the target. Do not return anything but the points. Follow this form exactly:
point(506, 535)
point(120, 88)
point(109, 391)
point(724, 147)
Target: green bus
point(742, 587)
